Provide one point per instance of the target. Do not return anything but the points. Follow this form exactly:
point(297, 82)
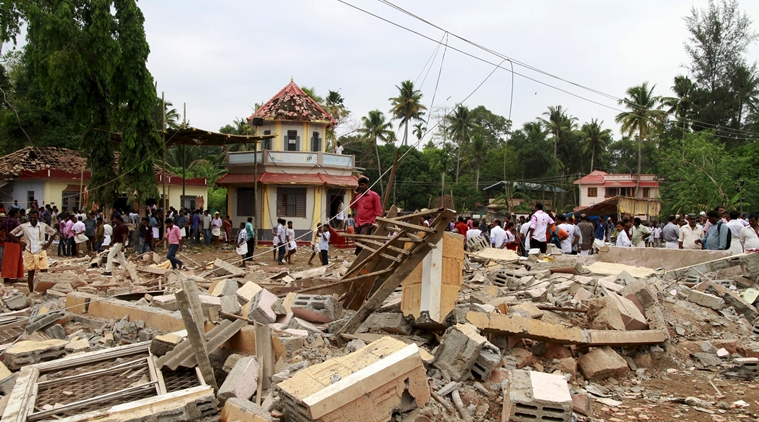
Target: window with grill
point(316, 142)
point(646, 192)
point(592, 192)
point(267, 142)
point(246, 201)
point(292, 140)
point(291, 202)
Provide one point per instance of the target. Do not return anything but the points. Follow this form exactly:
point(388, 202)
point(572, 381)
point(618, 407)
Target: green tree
point(681, 105)
point(477, 153)
point(643, 117)
point(594, 139)
point(559, 124)
point(460, 126)
point(376, 129)
point(419, 130)
point(311, 92)
point(407, 106)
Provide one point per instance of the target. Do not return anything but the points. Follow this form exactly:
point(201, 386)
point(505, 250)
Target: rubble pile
point(484, 335)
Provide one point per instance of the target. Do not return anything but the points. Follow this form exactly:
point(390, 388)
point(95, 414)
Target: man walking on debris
point(120, 233)
point(716, 236)
point(34, 244)
point(367, 207)
point(640, 234)
point(671, 233)
point(538, 225)
point(586, 229)
point(174, 238)
point(691, 234)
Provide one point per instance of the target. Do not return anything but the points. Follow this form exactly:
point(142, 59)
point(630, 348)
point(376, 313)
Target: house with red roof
point(600, 186)
point(291, 175)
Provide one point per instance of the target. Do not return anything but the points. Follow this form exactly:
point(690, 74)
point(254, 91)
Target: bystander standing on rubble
point(97, 245)
point(80, 236)
point(174, 239)
point(34, 244)
point(571, 238)
point(497, 235)
point(609, 227)
point(671, 233)
point(216, 227)
point(717, 235)
point(474, 231)
point(226, 228)
point(524, 236)
point(120, 234)
point(324, 243)
point(750, 234)
point(367, 207)
point(182, 222)
point(640, 234)
point(350, 224)
point(691, 234)
point(539, 223)
point(250, 233)
point(47, 215)
point(205, 224)
point(735, 226)
point(281, 236)
point(291, 247)
point(90, 223)
point(242, 244)
point(195, 226)
point(656, 235)
point(586, 230)
point(461, 226)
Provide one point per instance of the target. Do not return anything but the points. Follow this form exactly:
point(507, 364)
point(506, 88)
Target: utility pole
point(164, 202)
point(184, 157)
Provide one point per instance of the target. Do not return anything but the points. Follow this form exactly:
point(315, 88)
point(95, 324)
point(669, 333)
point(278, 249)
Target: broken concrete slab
point(28, 352)
point(536, 396)
point(223, 288)
point(242, 380)
point(526, 310)
point(247, 292)
point(705, 299)
point(364, 385)
point(604, 314)
point(459, 349)
point(602, 363)
point(393, 323)
point(240, 410)
point(632, 317)
point(749, 261)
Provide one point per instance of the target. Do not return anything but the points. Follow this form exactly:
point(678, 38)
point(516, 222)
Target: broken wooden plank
point(192, 315)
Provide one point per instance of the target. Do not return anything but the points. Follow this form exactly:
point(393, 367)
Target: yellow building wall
point(174, 192)
point(53, 191)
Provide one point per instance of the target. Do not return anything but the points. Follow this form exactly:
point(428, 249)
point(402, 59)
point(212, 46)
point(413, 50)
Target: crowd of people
point(712, 230)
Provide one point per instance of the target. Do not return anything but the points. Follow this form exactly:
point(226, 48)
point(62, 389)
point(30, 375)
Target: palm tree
point(460, 127)
point(442, 163)
point(559, 124)
point(533, 128)
point(419, 130)
point(643, 115)
point(594, 139)
point(680, 105)
point(376, 129)
point(407, 106)
point(477, 152)
point(311, 92)
point(333, 104)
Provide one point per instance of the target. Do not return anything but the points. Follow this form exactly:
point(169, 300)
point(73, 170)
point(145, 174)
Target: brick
point(394, 323)
point(604, 314)
point(522, 357)
point(168, 302)
point(458, 351)
point(241, 381)
point(366, 385)
point(239, 410)
point(489, 359)
point(29, 352)
point(581, 404)
point(223, 288)
point(536, 396)
point(316, 308)
point(706, 300)
point(526, 310)
point(602, 363)
point(568, 366)
point(247, 291)
point(259, 308)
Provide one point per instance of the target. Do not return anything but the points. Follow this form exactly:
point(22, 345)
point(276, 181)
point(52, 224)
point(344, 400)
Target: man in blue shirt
point(195, 224)
point(716, 237)
point(251, 233)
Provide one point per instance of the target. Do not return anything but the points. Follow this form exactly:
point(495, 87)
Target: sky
point(220, 58)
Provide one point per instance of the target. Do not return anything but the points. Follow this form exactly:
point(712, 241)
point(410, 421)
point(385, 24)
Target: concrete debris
point(536, 396)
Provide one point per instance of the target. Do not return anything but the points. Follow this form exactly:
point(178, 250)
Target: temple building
point(290, 175)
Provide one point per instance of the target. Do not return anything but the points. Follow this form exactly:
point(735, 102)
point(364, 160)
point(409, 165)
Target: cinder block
point(706, 300)
point(316, 308)
point(247, 291)
point(240, 410)
point(241, 381)
point(168, 302)
point(459, 349)
point(489, 359)
point(602, 363)
point(394, 323)
point(534, 396)
point(260, 307)
point(230, 305)
point(223, 288)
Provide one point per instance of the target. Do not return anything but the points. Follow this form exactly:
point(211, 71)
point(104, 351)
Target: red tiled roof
point(286, 179)
point(630, 184)
point(291, 103)
point(596, 176)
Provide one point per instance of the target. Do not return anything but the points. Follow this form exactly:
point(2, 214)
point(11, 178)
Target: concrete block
point(316, 308)
point(705, 299)
point(581, 295)
point(299, 324)
point(230, 362)
point(241, 381)
point(239, 410)
point(602, 363)
point(640, 289)
point(78, 346)
point(164, 343)
point(489, 359)
point(522, 357)
point(42, 321)
point(366, 385)
point(740, 306)
point(394, 323)
point(632, 317)
point(223, 288)
point(286, 346)
point(259, 308)
point(16, 301)
point(230, 305)
point(28, 352)
point(56, 331)
point(526, 310)
point(604, 314)
point(536, 396)
point(459, 349)
point(247, 291)
point(581, 404)
point(168, 302)
point(568, 366)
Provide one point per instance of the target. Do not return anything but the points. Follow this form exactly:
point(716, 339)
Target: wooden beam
point(194, 321)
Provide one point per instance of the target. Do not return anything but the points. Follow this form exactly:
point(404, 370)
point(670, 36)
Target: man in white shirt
point(571, 239)
point(691, 234)
point(324, 243)
point(524, 235)
point(497, 235)
point(474, 231)
point(339, 149)
point(281, 240)
point(622, 239)
point(539, 224)
point(735, 227)
point(33, 234)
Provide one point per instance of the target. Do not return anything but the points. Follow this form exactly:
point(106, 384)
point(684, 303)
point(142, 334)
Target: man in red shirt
point(120, 234)
point(366, 207)
point(461, 226)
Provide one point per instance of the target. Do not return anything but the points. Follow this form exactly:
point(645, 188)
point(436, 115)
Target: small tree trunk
point(458, 162)
point(640, 151)
point(592, 159)
point(379, 169)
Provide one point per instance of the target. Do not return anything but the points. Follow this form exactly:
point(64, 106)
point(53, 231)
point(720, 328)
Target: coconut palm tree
point(594, 139)
point(533, 128)
point(419, 130)
point(644, 115)
point(311, 92)
point(407, 106)
point(376, 129)
point(559, 124)
point(680, 106)
point(476, 153)
point(459, 128)
point(334, 105)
